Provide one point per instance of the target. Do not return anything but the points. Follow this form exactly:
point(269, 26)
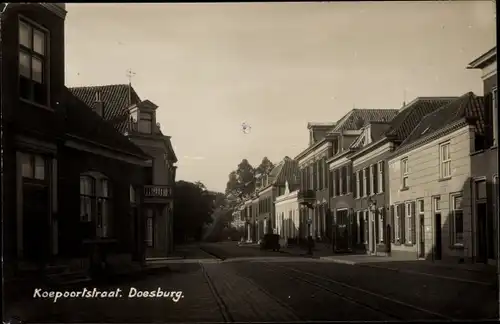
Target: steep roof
point(467, 106)
point(374, 130)
point(286, 170)
point(82, 122)
point(117, 98)
point(411, 114)
point(357, 118)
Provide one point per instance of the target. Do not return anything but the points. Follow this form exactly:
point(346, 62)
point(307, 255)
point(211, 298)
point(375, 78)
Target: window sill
point(444, 179)
point(404, 189)
point(397, 244)
point(36, 104)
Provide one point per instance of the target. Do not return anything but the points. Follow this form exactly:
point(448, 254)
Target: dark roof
point(82, 122)
point(117, 98)
point(357, 118)
point(468, 106)
point(286, 170)
point(411, 114)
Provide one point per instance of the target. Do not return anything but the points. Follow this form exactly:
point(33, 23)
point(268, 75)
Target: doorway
point(421, 252)
point(438, 249)
point(482, 232)
point(36, 229)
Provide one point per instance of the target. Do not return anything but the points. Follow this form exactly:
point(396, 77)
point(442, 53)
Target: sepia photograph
point(249, 162)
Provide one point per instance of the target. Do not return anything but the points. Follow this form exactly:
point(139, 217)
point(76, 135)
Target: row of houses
point(420, 181)
point(85, 169)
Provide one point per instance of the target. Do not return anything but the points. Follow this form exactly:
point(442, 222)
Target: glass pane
point(39, 41)
point(421, 206)
point(145, 126)
point(457, 202)
point(39, 168)
point(24, 65)
point(146, 116)
point(481, 190)
point(24, 34)
point(27, 166)
point(37, 66)
point(132, 194)
point(105, 189)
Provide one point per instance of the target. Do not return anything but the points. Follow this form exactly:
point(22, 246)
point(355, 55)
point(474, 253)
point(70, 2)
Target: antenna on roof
point(130, 75)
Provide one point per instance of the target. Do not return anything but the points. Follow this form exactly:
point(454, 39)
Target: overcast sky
point(276, 66)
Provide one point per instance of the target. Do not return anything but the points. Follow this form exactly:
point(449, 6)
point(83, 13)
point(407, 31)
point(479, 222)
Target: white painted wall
point(284, 204)
point(424, 183)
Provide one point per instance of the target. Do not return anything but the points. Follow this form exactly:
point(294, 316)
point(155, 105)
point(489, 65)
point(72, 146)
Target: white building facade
point(429, 183)
point(287, 215)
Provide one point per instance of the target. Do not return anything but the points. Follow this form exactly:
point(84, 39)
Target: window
point(374, 177)
point(149, 228)
point(368, 181)
point(320, 174)
point(344, 180)
point(444, 160)
point(361, 186)
point(145, 122)
point(457, 221)
point(495, 116)
point(381, 176)
point(381, 225)
point(337, 182)
point(404, 173)
point(358, 227)
point(366, 226)
point(437, 204)
point(33, 166)
point(365, 182)
point(103, 211)
point(32, 63)
point(480, 189)
point(397, 223)
point(357, 185)
point(87, 198)
point(409, 223)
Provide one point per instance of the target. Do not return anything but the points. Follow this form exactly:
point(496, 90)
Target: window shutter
point(384, 223)
point(361, 183)
point(368, 181)
point(414, 224)
point(402, 219)
point(383, 175)
point(393, 222)
point(348, 179)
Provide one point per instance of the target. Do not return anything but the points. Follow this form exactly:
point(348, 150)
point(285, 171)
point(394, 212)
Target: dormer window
point(32, 63)
point(145, 123)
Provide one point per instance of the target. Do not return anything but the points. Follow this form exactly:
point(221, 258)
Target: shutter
point(402, 222)
point(393, 222)
point(413, 224)
point(383, 175)
point(384, 223)
point(348, 179)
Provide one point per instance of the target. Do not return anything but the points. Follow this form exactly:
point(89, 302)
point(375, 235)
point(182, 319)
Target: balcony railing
point(306, 195)
point(157, 191)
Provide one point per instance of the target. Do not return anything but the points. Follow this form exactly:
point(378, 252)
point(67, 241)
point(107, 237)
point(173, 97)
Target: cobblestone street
point(286, 288)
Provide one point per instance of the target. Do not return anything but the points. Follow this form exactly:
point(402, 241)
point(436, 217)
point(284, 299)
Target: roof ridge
point(443, 107)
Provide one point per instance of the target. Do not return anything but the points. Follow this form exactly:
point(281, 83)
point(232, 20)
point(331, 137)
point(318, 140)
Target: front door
point(438, 243)
point(36, 227)
point(482, 238)
point(421, 251)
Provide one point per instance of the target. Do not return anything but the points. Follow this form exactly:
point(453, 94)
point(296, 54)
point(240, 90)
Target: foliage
point(232, 184)
point(265, 166)
point(193, 209)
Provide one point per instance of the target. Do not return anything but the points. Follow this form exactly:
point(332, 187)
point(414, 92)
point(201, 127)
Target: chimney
point(98, 104)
